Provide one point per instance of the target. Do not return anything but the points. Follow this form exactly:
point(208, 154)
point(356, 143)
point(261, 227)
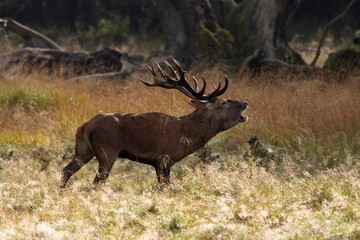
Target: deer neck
point(199, 127)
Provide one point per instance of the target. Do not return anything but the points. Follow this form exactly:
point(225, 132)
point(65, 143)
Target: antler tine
point(184, 83)
point(196, 83)
point(221, 92)
point(152, 70)
point(182, 76)
point(178, 64)
point(155, 78)
point(218, 91)
point(156, 82)
point(145, 82)
point(202, 91)
point(204, 86)
point(161, 71)
point(214, 93)
point(173, 72)
point(168, 79)
point(180, 69)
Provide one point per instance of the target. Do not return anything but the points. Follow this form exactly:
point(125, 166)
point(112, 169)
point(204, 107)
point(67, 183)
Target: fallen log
point(40, 52)
point(102, 61)
point(273, 63)
point(257, 62)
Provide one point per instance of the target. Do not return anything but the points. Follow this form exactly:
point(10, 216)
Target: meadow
point(302, 184)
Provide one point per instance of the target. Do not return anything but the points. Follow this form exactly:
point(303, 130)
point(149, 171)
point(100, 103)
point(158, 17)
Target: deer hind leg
point(163, 171)
point(82, 156)
point(106, 158)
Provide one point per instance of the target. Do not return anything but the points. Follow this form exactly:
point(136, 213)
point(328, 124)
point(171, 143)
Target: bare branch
point(31, 37)
point(326, 29)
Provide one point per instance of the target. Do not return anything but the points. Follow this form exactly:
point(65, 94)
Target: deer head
point(227, 112)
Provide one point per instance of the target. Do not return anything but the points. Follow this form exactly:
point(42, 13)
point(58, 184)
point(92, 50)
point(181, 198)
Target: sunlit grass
point(224, 199)
point(311, 191)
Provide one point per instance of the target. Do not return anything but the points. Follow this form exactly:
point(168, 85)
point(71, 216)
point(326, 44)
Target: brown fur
point(154, 138)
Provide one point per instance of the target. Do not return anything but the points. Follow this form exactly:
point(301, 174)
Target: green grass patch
point(28, 98)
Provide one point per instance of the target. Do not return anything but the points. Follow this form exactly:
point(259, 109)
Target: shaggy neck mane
point(199, 127)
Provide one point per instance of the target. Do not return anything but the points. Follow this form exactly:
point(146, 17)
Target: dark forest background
point(127, 17)
point(196, 29)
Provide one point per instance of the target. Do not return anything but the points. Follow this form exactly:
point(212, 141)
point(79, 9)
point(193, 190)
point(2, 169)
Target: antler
point(182, 84)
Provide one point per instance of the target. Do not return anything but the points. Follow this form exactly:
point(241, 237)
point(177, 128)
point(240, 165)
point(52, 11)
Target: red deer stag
point(155, 138)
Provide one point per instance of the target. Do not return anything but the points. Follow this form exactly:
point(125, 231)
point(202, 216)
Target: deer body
point(153, 138)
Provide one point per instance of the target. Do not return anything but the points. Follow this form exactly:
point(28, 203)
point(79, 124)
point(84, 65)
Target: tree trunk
point(262, 24)
point(256, 25)
point(180, 21)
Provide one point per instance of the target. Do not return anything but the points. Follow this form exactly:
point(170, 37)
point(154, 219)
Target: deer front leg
point(163, 171)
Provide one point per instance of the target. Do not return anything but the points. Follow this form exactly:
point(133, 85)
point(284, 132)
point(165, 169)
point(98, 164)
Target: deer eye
point(223, 103)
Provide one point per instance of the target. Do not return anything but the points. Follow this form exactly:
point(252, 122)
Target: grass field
point(308, 187)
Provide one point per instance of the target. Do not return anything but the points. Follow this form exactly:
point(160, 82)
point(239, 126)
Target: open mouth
point(243, 118)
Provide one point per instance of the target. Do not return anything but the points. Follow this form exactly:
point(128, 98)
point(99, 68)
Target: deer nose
point(245, 104)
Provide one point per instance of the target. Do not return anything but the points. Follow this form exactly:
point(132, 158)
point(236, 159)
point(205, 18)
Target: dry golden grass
point(283, 110)
point(311, 190)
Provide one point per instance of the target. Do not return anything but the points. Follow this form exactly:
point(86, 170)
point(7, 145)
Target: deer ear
point(198, 104)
